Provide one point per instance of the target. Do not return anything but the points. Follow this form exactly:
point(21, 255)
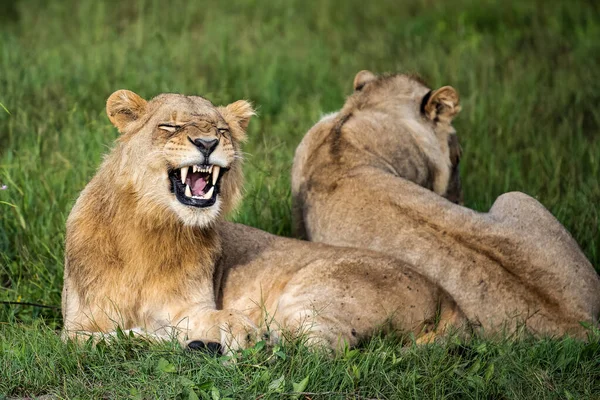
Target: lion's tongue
point(197, 185)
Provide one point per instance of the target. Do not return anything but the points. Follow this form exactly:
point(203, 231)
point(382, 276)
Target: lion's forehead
point(181, 109)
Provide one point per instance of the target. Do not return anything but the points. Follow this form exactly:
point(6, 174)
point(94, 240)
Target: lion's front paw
point(238, 332)
point(211, 348)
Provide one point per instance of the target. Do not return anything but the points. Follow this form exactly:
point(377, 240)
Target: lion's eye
point(169, 128)
point(223, 130)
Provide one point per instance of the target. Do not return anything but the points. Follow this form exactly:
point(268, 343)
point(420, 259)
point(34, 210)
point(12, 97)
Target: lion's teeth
point(184, 172)
point(210, 168)
point(188, 191)
point(215, 174)
point(194, 168)
point(209, 194)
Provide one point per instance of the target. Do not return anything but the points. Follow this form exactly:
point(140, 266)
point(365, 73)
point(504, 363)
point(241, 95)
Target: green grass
point(529, 77)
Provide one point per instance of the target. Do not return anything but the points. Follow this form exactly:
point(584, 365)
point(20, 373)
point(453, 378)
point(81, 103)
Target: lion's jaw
point(195, 179)
point(144, 179)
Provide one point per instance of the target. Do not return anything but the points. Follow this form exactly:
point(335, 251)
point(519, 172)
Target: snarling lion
point(147, 249)
point(141, 245)
point(375, 175)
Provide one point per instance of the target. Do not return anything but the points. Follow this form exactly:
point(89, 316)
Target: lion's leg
point(82, 323)
point(84, 336)
point(554, 263)
point(185, 320)
point(337, 301)
point(450, 318)
point(230, 329)
point(317, 329)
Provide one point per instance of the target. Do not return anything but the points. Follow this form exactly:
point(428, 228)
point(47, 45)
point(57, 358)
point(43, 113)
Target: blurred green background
point(527, 71)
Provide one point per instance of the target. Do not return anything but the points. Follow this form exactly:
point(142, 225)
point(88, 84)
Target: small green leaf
point(299, 387)
point(225, 358)
point(475, 367)
point(205, 385)
point(489, 373)
point(192, 395)
point(278, 384)
point(165, 366)
point(481, 349)
point(585, 324)
point(5, 109)
point(350, 354)
point(260, 345)
point(185, 382)
point(247, 352)
point(281, 355)
point(265, 376)
point(356, 371)
point(120, 333)
point(135, 394)
point(214, 393)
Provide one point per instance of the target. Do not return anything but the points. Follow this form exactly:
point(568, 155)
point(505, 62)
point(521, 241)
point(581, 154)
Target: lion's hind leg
point(449, 319)
point(304, 315)
point(549, 260)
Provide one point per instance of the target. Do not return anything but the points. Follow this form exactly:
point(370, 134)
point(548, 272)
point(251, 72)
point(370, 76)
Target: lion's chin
point(197, 216)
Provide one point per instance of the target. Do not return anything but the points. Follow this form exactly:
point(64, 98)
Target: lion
point(148, 250)
point(140, 248)
point(382, 174)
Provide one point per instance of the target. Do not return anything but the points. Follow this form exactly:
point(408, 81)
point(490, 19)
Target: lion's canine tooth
point(184, 172)
point(188, 191)
point(209, 194)
point(210, 168)
point(215, 174)
point(194, 168)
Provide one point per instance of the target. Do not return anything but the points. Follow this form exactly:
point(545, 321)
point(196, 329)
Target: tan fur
point(137, 259)
point(334, 296)
point(374, 176)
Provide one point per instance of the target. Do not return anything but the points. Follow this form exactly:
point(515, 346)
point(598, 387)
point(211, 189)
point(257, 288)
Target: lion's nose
point(206, 146)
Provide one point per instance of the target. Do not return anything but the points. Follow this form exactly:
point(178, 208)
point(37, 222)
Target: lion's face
point(181, 153)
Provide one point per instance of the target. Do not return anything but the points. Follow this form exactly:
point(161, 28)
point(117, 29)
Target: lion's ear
point(362, 78)
point(238, 114)
point(441, 105)
point(124, 107)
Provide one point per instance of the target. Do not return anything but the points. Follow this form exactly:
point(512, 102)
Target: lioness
point(374, 175)
point(146, 240)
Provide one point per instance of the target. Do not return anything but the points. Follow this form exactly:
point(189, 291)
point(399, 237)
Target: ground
point(529, 78)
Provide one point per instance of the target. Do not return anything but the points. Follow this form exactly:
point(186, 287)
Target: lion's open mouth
point(196, 185)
